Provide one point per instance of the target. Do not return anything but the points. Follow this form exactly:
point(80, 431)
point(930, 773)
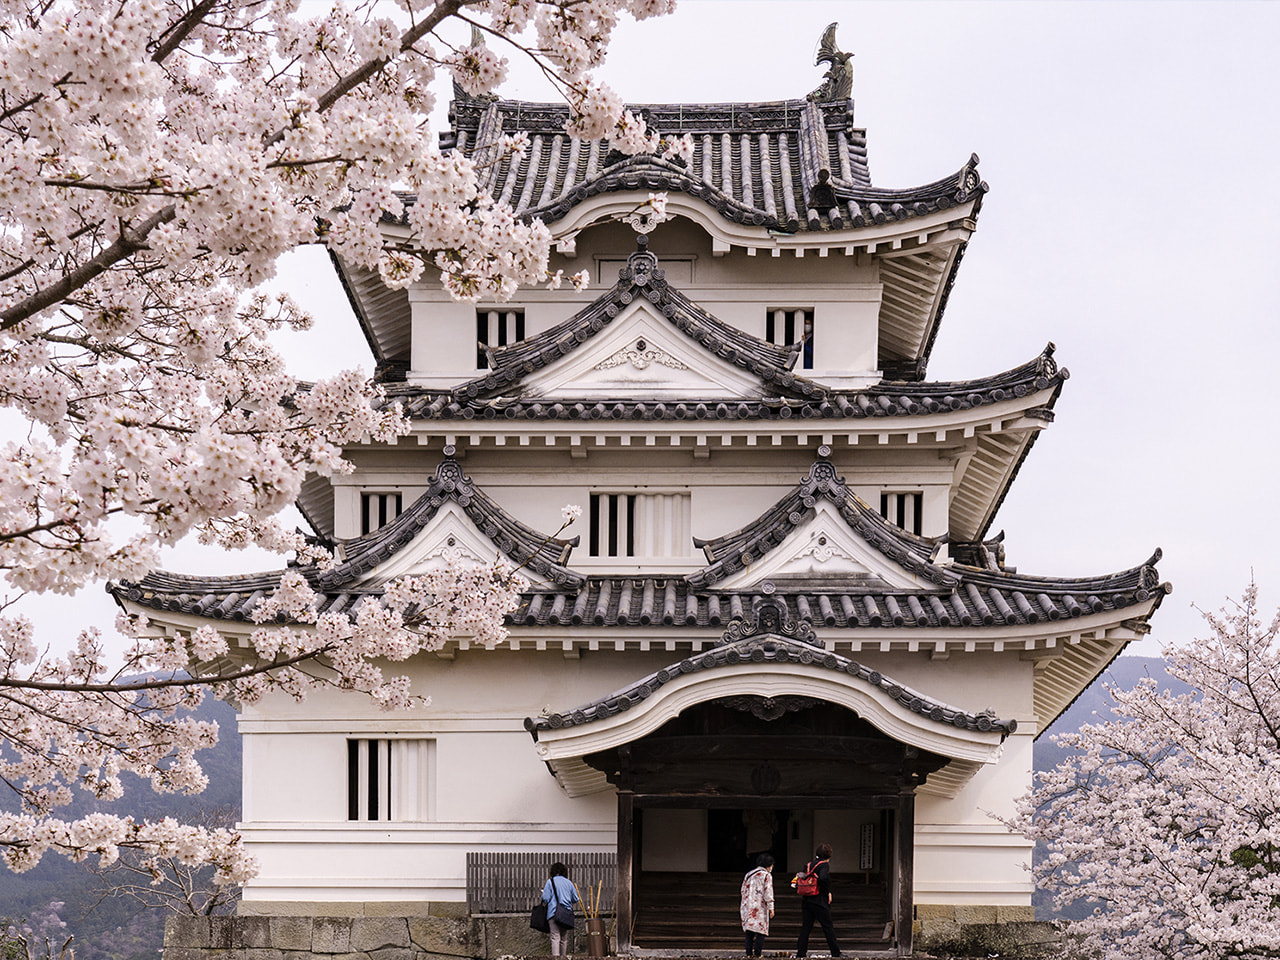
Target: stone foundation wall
point(353, 938)
point(983, 931)
point(948, 931)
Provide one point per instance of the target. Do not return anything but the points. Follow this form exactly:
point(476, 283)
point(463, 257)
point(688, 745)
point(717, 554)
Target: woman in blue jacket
point(559, 890)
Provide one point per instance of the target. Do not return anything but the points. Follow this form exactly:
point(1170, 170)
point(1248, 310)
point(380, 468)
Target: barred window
point(787, 325)
point(639, 525)
point(378, 509)
point(389, 779)
point(903, 509)
point(497, 328)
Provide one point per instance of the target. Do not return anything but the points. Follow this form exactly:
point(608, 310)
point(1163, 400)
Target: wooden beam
point(626, 851)
point(904, 912)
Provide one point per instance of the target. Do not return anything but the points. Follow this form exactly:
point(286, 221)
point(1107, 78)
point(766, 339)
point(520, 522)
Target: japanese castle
point(787, 616)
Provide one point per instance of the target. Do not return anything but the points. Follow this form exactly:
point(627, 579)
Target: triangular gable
point(824, 546)
point(448, 538)
point(820, 529)
point(453, 521)
point(640, 355)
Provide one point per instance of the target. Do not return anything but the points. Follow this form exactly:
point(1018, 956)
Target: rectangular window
point(497, 328)
point(389, 779)
point(378, 509)
point(787, 325)
point(903, 509)
point(638, 525)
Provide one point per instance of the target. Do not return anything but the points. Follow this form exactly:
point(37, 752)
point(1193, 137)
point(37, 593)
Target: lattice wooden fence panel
point(512, 882)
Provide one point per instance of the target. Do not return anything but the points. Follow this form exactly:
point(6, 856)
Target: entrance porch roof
point(771, 657)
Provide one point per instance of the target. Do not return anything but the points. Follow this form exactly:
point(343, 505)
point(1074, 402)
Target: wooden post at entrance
point(626, 849)
point(906, 867)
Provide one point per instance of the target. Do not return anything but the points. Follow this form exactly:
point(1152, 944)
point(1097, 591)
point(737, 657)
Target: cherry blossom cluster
point(156, 159)
point(1166, 819)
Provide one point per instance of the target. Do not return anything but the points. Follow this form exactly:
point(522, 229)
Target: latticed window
point(639, 525)
point(497, 328)
point(389, 779)
point(787, 325)
point(378, 509)
point(903, 508)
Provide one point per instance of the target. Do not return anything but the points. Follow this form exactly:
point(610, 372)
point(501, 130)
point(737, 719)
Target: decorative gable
point(821, 529)
point(640, 355)
point(642, 339)
point(823, 546)
point(453, 521)
point(448, 538)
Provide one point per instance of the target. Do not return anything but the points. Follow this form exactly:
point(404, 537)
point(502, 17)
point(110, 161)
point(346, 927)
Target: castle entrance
point(703, 795)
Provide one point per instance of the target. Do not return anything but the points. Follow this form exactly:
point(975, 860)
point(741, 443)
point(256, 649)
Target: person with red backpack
point(813, 883)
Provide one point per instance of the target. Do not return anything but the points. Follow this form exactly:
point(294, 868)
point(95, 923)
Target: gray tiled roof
point(980, 598)
point(735, 551)
point(641, 277)
point(789, 165)
point(523, 545)
point(745, 643)
point(888, 398)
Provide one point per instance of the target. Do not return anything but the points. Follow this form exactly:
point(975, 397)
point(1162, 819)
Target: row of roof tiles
point(672, 601)
point(790, 165)
point(956, 595)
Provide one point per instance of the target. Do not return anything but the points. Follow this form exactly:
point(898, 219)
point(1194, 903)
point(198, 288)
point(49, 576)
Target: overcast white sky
point(1131, 150)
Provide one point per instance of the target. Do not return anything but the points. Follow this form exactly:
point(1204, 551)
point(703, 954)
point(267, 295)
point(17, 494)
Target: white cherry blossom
point(156, 159)
point(1166, 819)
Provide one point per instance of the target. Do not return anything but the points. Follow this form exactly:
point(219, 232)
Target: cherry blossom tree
point(1167, 817)
point(156, 158)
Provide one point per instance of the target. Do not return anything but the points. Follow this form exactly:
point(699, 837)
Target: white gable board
point(449, 538)
point(641, 356)
point(824, 547)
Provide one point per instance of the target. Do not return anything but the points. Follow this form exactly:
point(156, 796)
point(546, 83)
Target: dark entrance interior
point(696, 909)
point(737, 776)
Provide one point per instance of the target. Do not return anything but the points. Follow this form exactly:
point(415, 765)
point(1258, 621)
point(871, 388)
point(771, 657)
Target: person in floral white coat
point(756, 908)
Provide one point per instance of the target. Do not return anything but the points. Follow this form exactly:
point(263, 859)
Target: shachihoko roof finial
point(838, 84)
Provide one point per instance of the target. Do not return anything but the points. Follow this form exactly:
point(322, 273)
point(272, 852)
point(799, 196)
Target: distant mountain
point(1094, 705)
point(114, 929)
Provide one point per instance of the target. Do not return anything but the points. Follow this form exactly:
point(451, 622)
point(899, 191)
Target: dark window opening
point(903, 509)
point(785, 326)
point(497, 328)
point(378, 509)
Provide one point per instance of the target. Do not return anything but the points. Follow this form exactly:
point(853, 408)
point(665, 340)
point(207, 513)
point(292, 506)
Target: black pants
point(755, 942)
point(815, 909)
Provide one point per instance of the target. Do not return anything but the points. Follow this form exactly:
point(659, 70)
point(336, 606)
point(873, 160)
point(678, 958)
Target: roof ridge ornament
point(770, 617)
point(838, 82)
point(642, 266)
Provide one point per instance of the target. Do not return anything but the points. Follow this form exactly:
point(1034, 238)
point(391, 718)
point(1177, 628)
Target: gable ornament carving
point(823, 549)
point(453, 551)
point(641, 355)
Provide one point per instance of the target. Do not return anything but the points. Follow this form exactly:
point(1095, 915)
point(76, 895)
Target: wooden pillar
point(904, 912)
point(626, 857)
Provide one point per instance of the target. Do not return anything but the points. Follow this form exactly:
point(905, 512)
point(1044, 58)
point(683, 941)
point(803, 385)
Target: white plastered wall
point(843, 291)
point(491, 793)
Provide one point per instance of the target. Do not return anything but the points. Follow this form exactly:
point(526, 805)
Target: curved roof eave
point(950, 225)
point(769, 665)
